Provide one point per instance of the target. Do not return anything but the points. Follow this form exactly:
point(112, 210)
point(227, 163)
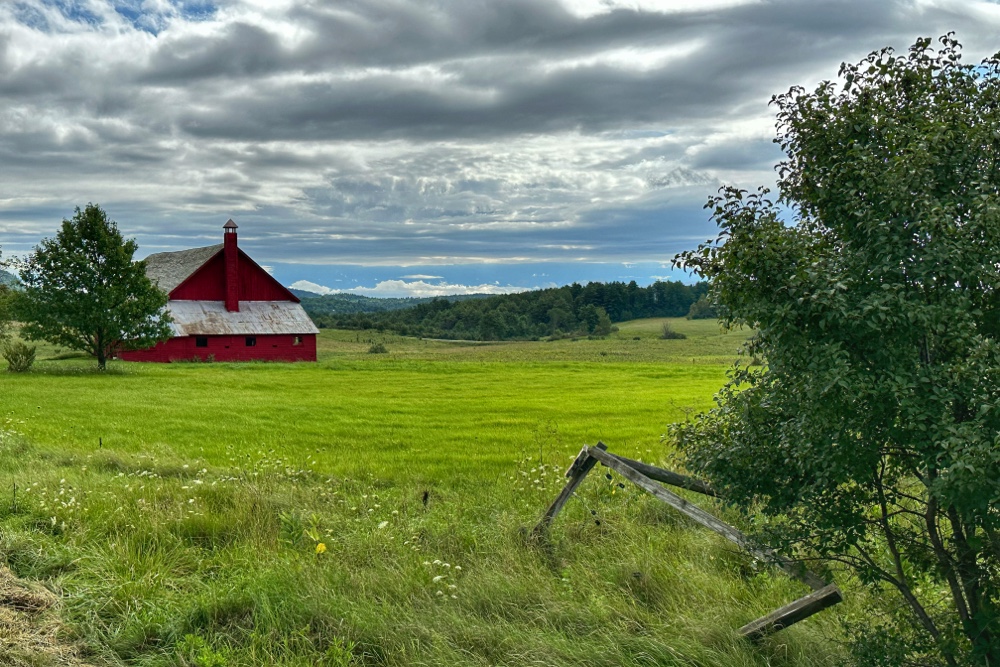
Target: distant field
point(425, 409)
point(178, 508)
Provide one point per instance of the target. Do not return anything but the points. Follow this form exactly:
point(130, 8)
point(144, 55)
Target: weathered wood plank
point(582, 464)
point(792, 613)
point(669, 477)
point(699, 515)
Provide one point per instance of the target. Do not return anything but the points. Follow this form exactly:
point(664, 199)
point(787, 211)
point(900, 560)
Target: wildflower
point(383, 525)
point(458, 568)
point(437, 578)
point(320, 548)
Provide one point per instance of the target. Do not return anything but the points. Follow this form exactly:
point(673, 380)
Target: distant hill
point(562, 311)
point(7, 278)
point(346, 304)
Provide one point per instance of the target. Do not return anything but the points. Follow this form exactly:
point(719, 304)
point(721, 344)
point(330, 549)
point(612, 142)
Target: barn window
point(297, 341)
point(201, 341)
point(251, 341)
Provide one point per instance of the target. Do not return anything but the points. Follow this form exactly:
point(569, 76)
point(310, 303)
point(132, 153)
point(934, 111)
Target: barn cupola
point(232, 267)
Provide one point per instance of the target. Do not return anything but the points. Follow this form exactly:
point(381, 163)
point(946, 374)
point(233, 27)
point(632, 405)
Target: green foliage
point(575, 309)
point(345, 304)
point(703, 309)
point(378, 348)
point(6, 300)
point(19, 356)
point(871, 437)
point(6, 314)
point(195, 651)
point(83, 291)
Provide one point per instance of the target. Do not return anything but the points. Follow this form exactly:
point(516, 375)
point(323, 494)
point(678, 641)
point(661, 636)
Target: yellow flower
point(320, 548)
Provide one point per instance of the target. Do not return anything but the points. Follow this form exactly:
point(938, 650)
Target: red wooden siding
point(256, 284)
point(206, 284)
point(209, 283)
point(230, 348)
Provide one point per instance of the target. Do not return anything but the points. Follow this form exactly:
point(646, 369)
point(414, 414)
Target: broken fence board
point(792, 613)
point(699, 515)
point(668, 477)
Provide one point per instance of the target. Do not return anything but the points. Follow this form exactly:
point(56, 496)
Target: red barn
point(226, 307)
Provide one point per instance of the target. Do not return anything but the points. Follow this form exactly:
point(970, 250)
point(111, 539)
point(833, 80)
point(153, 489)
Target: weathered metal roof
point(170, 269)
point(210, 318)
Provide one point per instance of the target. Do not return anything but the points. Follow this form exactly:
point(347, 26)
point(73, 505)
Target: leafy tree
point(6, 303)
point(702, 309)
point(603, 326)
point(871, 436)
point(83, 291)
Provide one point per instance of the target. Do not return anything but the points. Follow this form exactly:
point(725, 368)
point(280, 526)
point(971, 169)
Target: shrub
point(670, 334)
point(20, 357)
point(378, 348)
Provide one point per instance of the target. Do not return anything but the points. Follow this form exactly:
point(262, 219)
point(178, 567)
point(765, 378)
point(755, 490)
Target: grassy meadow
point(372, 509)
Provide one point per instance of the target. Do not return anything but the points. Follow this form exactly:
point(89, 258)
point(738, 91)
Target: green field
point(178, 509)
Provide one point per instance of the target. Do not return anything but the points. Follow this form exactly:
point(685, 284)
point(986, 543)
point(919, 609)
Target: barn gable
point(224, 306)
point(199, 274)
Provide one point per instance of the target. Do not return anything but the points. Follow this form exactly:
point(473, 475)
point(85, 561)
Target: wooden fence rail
point(646, 477)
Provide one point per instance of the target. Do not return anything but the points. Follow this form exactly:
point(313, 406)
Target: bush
point(20, 357)
point(670, 334)
point(378, 348)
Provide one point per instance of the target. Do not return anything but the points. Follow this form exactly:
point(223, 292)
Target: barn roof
point(210, 318)
point(170, 269)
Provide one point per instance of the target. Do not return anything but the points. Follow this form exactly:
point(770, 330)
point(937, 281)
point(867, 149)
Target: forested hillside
point(341, 304)
point(573, 309)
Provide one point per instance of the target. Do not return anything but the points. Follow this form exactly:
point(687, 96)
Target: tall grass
point(179, 511)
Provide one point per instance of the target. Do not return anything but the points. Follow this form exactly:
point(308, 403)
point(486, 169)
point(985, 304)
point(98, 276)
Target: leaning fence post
point(582, 464)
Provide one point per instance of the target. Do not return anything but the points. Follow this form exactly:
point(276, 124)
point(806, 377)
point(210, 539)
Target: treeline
point(343, 304)
point(571, 310)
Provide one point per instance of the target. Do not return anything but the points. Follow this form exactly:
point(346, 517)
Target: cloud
point(307, 286)
point(417, 288)
point(408, 133)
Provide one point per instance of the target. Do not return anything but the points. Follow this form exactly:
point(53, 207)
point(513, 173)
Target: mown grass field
point(371, 509)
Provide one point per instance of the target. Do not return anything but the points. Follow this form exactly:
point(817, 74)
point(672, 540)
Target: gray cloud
point(404, 132)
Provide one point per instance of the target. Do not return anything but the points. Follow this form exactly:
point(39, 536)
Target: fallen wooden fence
point(646, 477)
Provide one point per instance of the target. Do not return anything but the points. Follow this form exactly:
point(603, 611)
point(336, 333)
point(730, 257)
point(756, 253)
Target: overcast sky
point(418, 146)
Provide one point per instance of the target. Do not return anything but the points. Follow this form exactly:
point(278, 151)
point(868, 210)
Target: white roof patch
point(210, 318)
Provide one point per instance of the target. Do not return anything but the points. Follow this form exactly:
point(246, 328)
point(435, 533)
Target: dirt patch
point(29, 626)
